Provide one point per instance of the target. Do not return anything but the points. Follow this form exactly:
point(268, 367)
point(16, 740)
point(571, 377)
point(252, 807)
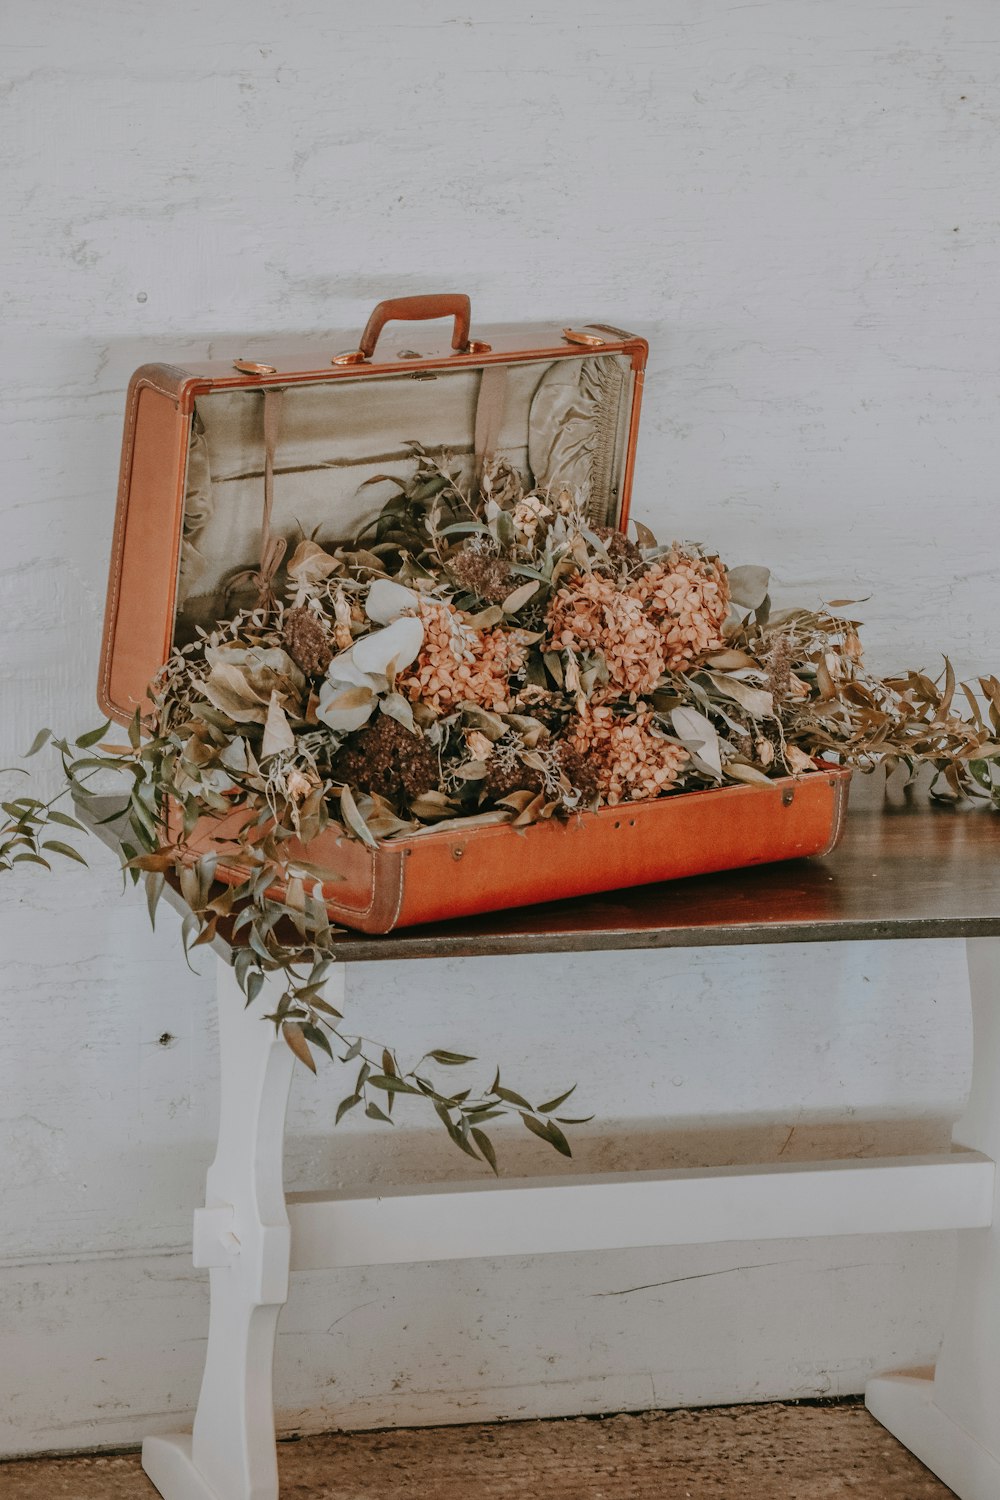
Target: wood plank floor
point(774, 1452)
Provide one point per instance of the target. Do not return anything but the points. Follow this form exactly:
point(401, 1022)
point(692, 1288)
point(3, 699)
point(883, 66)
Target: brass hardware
point(353, 357)
point(476, 346)
point(788, 796)
point(617, 333)
point(457, 852)
point(251, 367)
point(588, 340)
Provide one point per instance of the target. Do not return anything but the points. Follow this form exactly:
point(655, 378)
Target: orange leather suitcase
point(562, 406)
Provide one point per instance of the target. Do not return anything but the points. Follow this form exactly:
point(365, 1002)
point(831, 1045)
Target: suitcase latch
point(588, 340)
point(251, 367)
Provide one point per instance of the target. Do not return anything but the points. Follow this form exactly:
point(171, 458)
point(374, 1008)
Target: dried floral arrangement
point(478, 656)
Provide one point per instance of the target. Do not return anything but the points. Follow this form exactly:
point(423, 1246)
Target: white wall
point(797, 203)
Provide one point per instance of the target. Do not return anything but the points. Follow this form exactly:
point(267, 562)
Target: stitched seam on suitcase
point(358, 911)
point(839, 812)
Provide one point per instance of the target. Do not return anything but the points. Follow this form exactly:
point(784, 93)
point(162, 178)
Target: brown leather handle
point(417, 309)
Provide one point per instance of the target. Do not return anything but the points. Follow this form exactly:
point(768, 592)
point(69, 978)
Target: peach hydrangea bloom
point(631, 758)
point(688, 597)
point(592, 614)
point(457, 664)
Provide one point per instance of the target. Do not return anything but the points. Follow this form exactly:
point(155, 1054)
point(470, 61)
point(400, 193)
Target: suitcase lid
point(228, 463)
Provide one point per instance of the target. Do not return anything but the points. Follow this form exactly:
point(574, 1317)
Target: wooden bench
point(901, 872)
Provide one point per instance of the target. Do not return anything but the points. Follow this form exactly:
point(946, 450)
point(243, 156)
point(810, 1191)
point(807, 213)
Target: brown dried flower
point(630, 758)
point(306, 641)
point(489, 578)
point(387, 758)
point(458, 664)
point(508, 773)
point(625, 554)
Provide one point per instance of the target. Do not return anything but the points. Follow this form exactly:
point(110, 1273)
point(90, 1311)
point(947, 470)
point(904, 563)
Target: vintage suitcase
point(202, 446)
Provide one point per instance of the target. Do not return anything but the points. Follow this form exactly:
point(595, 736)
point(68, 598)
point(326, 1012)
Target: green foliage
point(239, 729)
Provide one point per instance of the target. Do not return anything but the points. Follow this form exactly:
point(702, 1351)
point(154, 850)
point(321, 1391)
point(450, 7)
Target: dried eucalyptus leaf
point(227, 689)
point(310, 564)
point(738, 770)
point(748, 586)
point(354, 820)
point(486, 618)
point(393, 646)
point(519, 597)
point(473, 820)
point(473, 770)
point(345, 709)
point(699, 737)
point(730, 661)
point(755, 700)
point(432, 805)
point(486, 722)
point(398, 708)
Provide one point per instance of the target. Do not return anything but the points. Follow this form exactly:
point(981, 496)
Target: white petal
point(387, 601)
point(343, 671)
point(398, 643)
point(344, 709)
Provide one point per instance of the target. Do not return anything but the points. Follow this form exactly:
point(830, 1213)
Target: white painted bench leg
point(951, 1420)
point(242, 1234)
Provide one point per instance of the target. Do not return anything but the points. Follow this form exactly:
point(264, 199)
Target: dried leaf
point(278, 734)
point(310, 564)
point(755, 700)
point(394, 646)
point(485, 1145)
point(699, 737)
point(748, 586)
point(344, 709)
point(354, 820)
point(293, 1035)
point(66, 850)
point(519, 596)
point(739, 771)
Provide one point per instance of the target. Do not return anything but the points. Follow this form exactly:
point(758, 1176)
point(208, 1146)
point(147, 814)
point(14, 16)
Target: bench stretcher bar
point(458, 1221)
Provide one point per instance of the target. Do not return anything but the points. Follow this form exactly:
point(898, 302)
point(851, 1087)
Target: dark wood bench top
point(901, 871)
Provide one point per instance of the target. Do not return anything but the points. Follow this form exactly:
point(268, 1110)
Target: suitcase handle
point(417, 309)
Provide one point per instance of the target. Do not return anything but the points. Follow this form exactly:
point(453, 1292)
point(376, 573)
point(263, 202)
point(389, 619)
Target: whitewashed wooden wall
point(797, 202)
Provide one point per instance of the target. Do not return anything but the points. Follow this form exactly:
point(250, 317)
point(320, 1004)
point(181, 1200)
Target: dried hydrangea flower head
point(688, 596)
point(591, 613)
point(630, 758)
point(458, 664)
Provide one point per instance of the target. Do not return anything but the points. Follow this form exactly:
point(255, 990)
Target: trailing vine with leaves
point(474, 657)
